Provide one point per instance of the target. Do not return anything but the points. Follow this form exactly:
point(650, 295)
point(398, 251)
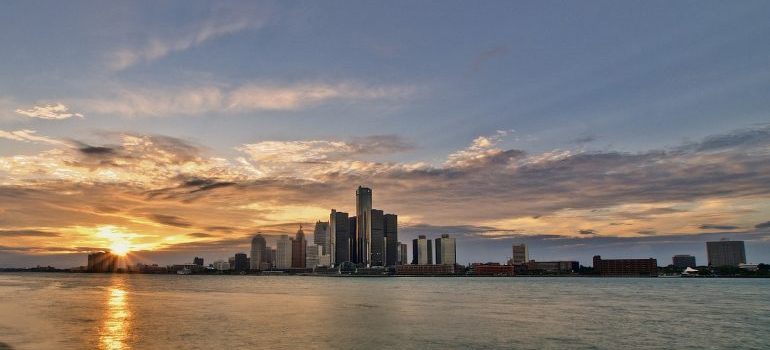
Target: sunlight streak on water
point(117, 321)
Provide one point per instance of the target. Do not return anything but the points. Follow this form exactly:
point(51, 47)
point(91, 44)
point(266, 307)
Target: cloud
point(717, 227)
point(224, 21)
point(158, 102)
point(28, 233)
point(49, 111)
point(489, 54)
point(30, 136)
point(763, 225)
point(169, 220)
point(587, 232)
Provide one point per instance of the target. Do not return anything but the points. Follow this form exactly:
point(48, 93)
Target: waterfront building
point(390, 224)
point(520, 254)
point(626, 267)
point(198, 261)
point(273, 257)
point(313, 256)
point(102, 262)
point(339, 236)
point(726, 253)
point(491, 269)
point(241, 262)
point(430, 270)
point(446, 250)
point(552, 266)
point(363, 225)
point(683, 261)
point(221, 265)
point(377, 240)
point(298, 249)
point(258, 255)
point(422, 251)
point(321, 236)
point(352, 228)
point(402, 258)
point(283, 252)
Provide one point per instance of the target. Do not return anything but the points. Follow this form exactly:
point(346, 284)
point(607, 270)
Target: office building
point(683, 261)
point(258, 247)
point(491, 269)
point(402, 258)
point(390, 224)
point(313, 257)
point(221, 265)
point(377, 239)
point(726, 253)
point(626, 267)
point(198, 261)
point(339, 236)
point(551, 266)
point(102, 262)
point(422, 251)
point(241, 262)
point(520, 254)
point(429, 270)
point(321, 236)
point(363, 225)
point(352, 225)
point(283, 252)
point(446, 250)
point(298, 249)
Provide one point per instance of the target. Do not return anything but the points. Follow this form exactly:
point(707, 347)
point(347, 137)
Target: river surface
point(102, 311)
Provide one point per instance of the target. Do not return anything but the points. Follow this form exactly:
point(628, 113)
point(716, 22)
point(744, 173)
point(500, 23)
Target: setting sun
point(119, 248)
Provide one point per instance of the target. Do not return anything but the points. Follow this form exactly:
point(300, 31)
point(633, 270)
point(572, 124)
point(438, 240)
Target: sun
point(119, 248)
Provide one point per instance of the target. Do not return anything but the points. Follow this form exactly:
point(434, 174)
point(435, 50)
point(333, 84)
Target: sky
point(182, 128)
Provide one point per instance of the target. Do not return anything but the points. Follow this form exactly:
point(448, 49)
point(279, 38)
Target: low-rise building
point(491, 269)
point(626, 267)
point(430, 270)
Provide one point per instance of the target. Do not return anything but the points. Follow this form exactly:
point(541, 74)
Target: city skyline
point(595, 130)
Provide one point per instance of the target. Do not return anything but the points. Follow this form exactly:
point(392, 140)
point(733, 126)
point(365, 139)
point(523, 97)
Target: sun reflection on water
point(114, 331)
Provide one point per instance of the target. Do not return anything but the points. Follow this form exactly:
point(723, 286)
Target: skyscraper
point(339, 237)
point(683, 261)
point(422, 251)
point(390, 223)
point(258, 245)
point(321, 236)
point(726, 253)
point(353, 239)
point(283, 253)
point(241, 262)
point(401, 257)
point(446, 250)
point(520, 254)
point(298, 249)
point(363, 225)
point(377, 242)
point(314, 253)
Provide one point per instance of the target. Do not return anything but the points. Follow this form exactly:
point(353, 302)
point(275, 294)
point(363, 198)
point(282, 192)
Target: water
point(95, 311)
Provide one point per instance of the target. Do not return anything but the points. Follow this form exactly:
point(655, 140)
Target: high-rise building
point(352, 225)
point(390, 223)
point(313, 259)
point(446, 250)
point(283, 252)
point(726, 253)
point(363, 225)
point(241, 262)
point(298, 249)
point(422, 251)
point(339, 236)
point(683, 261)
point(198, 261)
point(402, 258)
point(258, 246)
point(321, 236)
point(520, 254)
point(102, 262)
point(377, 242)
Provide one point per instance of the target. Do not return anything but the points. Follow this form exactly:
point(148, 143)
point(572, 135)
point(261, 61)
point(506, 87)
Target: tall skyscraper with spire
point(363, 225)
point(298, 249)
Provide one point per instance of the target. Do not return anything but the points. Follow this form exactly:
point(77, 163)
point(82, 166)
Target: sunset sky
point(180, 129)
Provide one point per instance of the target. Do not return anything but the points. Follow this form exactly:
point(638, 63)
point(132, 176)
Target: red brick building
point(491, 269)
point(626, 267)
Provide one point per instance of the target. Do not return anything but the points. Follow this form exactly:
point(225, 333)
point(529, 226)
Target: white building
point(283, 253)
point(258, 258)
point(313, 255)
point(221, 265)
point(446, 250)
point(422, 251)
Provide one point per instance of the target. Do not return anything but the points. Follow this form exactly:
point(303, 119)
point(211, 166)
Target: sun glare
point(119, 248)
